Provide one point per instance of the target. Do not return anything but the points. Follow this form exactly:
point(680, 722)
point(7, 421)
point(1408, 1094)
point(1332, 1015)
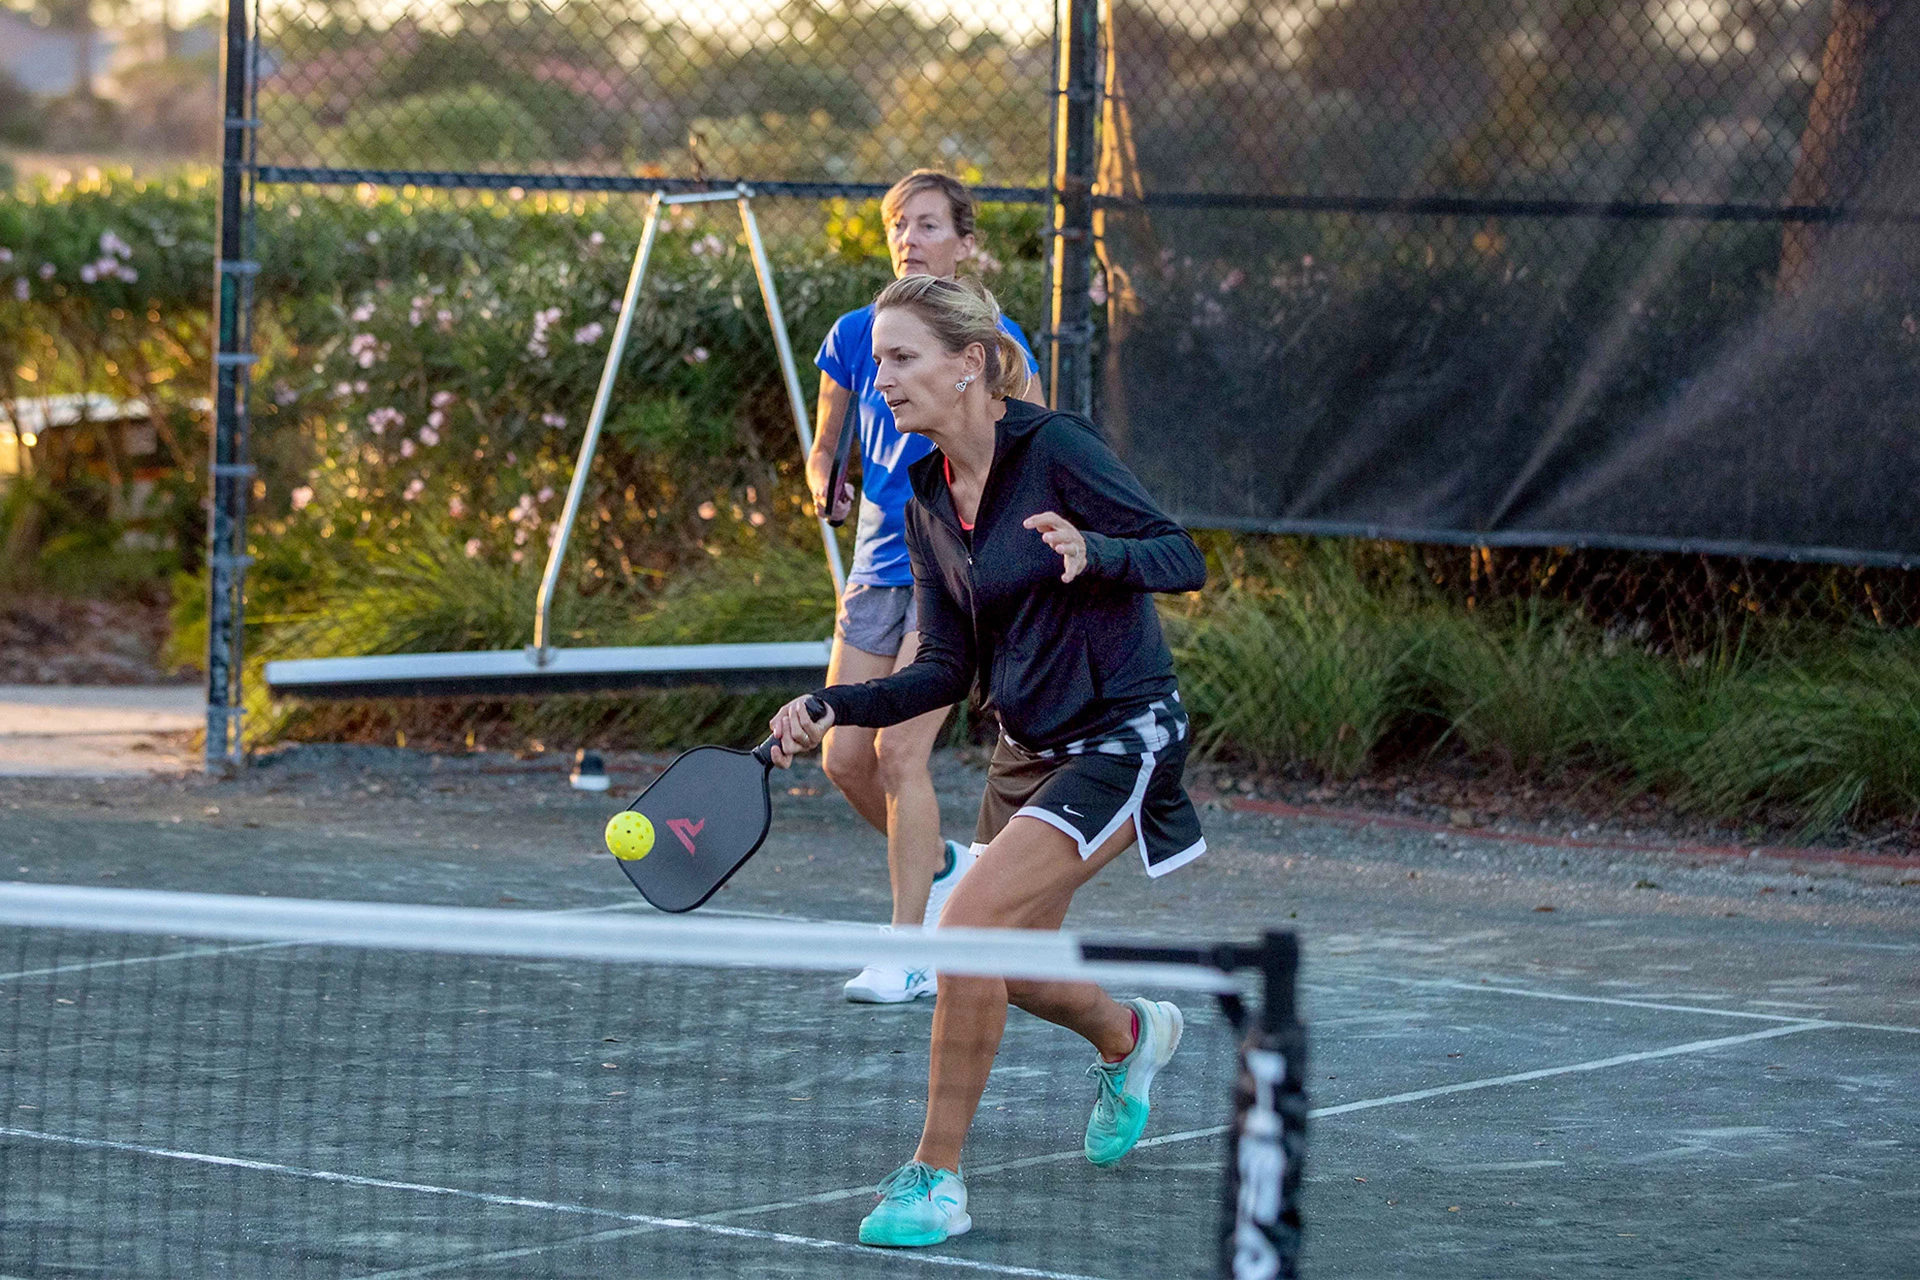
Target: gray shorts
point(876, 619)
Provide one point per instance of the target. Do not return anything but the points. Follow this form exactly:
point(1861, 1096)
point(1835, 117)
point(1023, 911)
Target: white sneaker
point(960, 860)
point(888, 984)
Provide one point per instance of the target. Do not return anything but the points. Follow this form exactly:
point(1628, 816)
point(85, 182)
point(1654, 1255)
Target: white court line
point(650, 1223)
point(1596, 1064)
point(645, 1220)
point(1448, 984)
point(193, 954)
point(1366, 1104)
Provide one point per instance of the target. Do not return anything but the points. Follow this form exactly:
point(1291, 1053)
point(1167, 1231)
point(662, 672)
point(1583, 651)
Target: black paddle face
point(842, 460)
point(709, 812)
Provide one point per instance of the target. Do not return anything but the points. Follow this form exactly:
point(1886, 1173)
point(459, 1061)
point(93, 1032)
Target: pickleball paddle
point(710, 813)
point(842, 459)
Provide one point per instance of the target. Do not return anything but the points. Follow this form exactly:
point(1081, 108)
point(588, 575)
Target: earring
point(962, 385)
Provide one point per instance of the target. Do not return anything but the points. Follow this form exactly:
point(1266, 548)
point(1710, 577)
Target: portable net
point(200, 1085)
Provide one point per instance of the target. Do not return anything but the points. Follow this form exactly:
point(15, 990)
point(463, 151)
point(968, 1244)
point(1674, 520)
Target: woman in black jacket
point(1034, 555)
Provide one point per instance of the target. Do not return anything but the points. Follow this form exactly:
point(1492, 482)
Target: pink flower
point(708, 511)
point(363, 313)
point(301, 497)
point(407, 448)
point(441, 399)
point(696, 356)
point(542, 321)
point(588, 334)
point(457, 508)
point(473, 548)
point(545, 495)
point(415, 487)
point(554, 420)
point(428, 436)
point(444, 320)
point(88, 275)
point(380, 419)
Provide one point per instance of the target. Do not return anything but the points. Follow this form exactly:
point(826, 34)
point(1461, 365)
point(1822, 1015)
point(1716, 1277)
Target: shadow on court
point(1681, 1070)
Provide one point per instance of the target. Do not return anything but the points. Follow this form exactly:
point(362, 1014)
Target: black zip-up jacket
point(1057, 661)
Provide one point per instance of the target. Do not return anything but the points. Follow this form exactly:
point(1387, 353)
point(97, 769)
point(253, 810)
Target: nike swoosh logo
point(1067, 808)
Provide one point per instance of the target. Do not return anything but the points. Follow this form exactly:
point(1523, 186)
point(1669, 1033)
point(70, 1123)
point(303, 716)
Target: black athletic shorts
point(1088, 789)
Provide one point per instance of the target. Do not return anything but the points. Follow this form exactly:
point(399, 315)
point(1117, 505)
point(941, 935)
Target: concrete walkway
point(88, 731)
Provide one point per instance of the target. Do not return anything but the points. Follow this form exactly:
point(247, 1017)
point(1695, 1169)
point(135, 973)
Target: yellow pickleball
point(629, 836)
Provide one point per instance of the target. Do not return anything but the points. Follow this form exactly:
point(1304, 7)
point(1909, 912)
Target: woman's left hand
point(1057, 533)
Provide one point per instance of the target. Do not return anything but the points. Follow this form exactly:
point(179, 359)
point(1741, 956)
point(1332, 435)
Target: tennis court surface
point(1714, 1074)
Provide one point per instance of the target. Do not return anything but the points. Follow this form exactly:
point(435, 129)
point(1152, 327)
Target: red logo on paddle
point(686, 829)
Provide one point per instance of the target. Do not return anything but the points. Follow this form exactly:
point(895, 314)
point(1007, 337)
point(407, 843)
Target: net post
point(1266, 1143)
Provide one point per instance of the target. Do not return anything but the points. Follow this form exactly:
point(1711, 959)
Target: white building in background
point(45, 61)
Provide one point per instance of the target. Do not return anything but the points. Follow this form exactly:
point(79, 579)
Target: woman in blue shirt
point(929, 218)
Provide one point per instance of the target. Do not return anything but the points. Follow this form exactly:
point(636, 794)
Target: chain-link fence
point(792, 92)
point(1522, 271)
point(1496, 279)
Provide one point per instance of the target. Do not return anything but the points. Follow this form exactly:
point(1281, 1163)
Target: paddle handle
point(764, 752)
point(842, 453)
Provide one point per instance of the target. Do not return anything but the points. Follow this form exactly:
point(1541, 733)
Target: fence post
point(231, 475)
point(1076, 108)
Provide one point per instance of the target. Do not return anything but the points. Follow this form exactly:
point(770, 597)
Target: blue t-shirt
point(880, 551)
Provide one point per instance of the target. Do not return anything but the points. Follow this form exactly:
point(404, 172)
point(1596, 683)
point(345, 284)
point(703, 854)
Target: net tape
point(703, 941)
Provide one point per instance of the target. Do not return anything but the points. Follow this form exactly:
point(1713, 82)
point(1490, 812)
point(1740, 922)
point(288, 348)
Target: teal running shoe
point(1120, 1112)
point(919, 1205)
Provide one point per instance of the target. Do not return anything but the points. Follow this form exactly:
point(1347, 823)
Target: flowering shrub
point(428, 366)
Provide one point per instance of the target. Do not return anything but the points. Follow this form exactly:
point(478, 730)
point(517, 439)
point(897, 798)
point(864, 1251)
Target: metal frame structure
point(544, 667)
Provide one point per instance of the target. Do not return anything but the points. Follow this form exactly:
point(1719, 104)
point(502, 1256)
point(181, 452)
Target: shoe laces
point(911, 1181)
point(1113, 1079)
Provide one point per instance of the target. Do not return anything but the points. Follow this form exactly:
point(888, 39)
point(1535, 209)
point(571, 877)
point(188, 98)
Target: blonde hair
point(962, 312)
point(959, 198)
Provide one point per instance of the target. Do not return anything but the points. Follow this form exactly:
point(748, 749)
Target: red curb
point(1360, 818)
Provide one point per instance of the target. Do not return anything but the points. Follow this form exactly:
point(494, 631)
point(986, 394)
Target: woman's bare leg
point(915, 849)
point(1025, 880)
point(885, 777)
point(848, 754)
